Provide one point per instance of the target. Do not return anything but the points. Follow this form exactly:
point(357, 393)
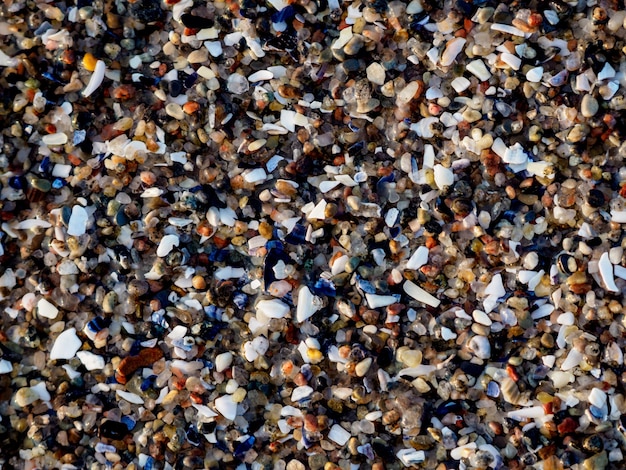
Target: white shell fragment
point(308, 304)
point(226, 406)
point(46, 309)
point(420, 294)
point(96, 79)
point(452, 50)
point(167, 244)
point(606, 272)
point(339, 435)
point(66, 345)
point(77, 225)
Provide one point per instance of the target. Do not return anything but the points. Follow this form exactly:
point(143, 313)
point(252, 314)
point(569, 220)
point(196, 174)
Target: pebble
point(77, 224)
point(66, 345)
point(589, 106)
point(46, 309)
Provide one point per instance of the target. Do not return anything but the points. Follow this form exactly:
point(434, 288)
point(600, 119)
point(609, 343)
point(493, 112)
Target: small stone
point(479, 70)
point(26, 396)
point(167, 244)
point(452, 50)
point(175, 111)
point(90, 360)
point(363, 366)
point(226, 406)
point(66, 345)
point(46, 309)
point(77, 224)
point(376, 73)
point(308, 304)
point(223, 361)
point(444, 177)
point(535, 74)
point(339, 435)
point(589, 106)
point(480, 346)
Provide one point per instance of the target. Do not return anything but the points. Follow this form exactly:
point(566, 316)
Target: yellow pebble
point(239, 395)
point(198, 282)
point(315, 355)
point(89, 61)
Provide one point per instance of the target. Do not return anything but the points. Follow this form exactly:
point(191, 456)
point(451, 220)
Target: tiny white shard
point(339, 435)
point(261, 75)
point(452, 50)
point(543, 311)
point(535, 74)
point(66, 345)
point(255, 176)
point(479, 70)
point(204, 410)
point(505, 28)
point(77, 224)
point(418, 259)
point(482, 318)
point(420, 294)
point(410, 457)
point(511, 60)
point(515, 155)
point(318, 212)
point(606, 272)
point(308, 304)
point(377, 301)
point(572, 360)
point(301, 393)
point(444, 177)
point(46, 309)
point(130, 397)
point(272, 308)
point(96, 78)
point(530, 412)
point(618, 217)
point(5, 366)
point(167, 244)
point(326, 186)
point(226, 406)
point(460, 84)
point(606, 72)
point(58, 138)
point(223, 361)
point(90, 360)
point(597, 397)
point(463, 451)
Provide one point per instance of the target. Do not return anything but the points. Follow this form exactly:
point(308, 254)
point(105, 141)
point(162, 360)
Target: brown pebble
point(198, 282)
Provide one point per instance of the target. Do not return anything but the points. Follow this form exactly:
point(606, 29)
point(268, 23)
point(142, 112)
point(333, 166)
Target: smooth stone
point(46, 309)
point(66, 345)
point(606, 272)
point(26, 396)
point(301, 393)
point(363, 366)
point(90, 360)
point(444, 177)
point(130, 397)
point(418, 259)
point(223, 361)
point(77, 224)
point(535, 74)
point(339, 435)
point(460, 84)
point(420, 294)
point(167, 244)
point(226, 406)
point(59, 138)
point(589, 106)
point(308, 304)
point(479, 70)
point(452, 50)
point(376, 73)
point(273, 308)
point(480, 346)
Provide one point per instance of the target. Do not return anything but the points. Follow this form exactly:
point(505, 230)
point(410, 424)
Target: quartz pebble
point(66, 345)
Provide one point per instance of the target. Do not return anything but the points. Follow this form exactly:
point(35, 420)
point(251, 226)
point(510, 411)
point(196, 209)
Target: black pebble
point(595, 198)
point(175, 88)
point(113, 430)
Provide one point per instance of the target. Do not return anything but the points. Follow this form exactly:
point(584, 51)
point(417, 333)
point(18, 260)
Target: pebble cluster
point(312, 234)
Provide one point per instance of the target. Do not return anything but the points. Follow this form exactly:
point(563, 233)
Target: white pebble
point(482, 318)
point(223, 361)
point(66, 345)
point(308, 304)
point(418, 259)
point(130, 397)
point(420, 294)
point(272, 308)
point(301, 393)
point(59, 138)
point(226, 406)
point(460, 84)
point(606, 272)
point(480, 346)
point(77, 224)
point(452, 50)
point(444, 177)
point(46, 309)
point(479, 70)
point(90, 360)
point(535, 74)
point(167, 244)
point(339, 435)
